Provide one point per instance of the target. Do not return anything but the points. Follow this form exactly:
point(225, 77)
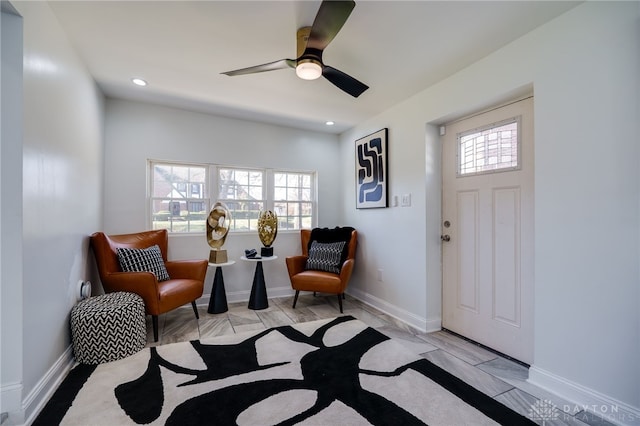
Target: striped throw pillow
point(143, 260)
point(325, 256)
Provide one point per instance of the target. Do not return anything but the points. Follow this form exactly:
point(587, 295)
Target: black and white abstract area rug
point(329, 372)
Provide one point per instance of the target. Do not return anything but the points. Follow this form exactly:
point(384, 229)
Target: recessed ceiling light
point(329, 123)
point(139, 81)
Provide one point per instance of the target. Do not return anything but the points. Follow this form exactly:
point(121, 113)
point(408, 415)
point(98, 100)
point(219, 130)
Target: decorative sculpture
point(267, 231)
point(217, 229)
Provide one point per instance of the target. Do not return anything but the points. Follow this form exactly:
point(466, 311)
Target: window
point(175, 205)
point(243, 192)
point(293, 199)
point(180, 200)
point(489, 149)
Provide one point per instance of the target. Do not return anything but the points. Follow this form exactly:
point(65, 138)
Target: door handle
point(445, 237)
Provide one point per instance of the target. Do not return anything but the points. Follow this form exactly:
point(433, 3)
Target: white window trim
point(149, 188)
point(314, 194)
point(212, 171)
point(517, 120)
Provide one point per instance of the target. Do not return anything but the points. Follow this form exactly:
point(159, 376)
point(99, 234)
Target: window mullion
point(150, 197)
point(214, 192)
point(268, 190)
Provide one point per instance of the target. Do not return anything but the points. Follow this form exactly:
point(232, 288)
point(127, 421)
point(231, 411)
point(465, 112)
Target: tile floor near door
point(498, 377)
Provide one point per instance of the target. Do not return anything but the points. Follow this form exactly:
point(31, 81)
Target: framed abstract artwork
point(371, 171)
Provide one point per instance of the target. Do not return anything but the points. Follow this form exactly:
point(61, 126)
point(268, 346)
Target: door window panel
point(494, 148)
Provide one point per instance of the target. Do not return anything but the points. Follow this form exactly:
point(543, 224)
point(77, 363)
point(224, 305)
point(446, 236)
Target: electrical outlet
point(406, 200)
point(380, 275)
point(83, 290)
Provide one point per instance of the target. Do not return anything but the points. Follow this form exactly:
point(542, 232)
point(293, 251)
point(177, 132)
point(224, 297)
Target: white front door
point(487, 214)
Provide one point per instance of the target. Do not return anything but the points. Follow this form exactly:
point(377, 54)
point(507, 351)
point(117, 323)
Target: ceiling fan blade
point(343, 81)
point(329, 20)
point(271, 66)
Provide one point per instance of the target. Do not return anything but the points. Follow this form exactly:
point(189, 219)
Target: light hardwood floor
point(496, 376)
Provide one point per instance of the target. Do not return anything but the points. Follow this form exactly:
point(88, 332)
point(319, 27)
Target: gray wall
point(11, 211)
point(583, 69)
point(61, 183)
point(136, 132)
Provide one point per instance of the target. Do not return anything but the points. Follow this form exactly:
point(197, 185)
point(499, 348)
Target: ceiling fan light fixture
point(308, 69)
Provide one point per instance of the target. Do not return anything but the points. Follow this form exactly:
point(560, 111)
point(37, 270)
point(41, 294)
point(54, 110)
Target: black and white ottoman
point(108, 327)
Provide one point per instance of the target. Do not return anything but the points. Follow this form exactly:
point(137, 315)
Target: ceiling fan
point(311, 43)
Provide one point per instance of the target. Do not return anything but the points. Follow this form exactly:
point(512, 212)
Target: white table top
point(259, 259)
point(230, 262)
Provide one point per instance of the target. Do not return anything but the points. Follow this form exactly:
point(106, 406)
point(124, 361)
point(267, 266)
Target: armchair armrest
point(296, 264)
point(345, 272)
point(144, 284)
point(187, 269)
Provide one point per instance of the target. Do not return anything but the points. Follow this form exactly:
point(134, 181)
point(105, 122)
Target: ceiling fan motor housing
point(307, 54)
point(302, 36)
point(309, 61)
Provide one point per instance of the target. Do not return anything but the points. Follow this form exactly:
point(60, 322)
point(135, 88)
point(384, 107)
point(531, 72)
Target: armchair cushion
point(325, 256)
point(143, 260)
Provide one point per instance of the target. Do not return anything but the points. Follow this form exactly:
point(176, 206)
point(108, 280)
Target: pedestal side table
point(258, 298)
point(218, 299)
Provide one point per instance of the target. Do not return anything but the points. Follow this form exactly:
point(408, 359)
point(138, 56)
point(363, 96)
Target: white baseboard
point(423, 324)
point(584, 398)
point(48, 384)
point(420, 323)
point(11, 397)
point(243, 296)
point(434, 324)
point(284, 291)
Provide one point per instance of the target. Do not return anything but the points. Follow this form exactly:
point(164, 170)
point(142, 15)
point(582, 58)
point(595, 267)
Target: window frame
point(518, 122)
point(312, 196)
point(215, 183)
point(211, 190)
point(206, 195)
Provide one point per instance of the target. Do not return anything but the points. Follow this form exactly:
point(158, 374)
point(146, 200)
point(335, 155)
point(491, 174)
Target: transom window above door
point(489, 149)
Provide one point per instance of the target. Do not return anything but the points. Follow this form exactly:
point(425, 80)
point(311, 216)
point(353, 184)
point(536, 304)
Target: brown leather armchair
point(320, 281)
point(186, 281)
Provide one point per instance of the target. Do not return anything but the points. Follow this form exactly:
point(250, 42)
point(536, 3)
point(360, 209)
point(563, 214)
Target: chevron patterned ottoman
point(108, 327)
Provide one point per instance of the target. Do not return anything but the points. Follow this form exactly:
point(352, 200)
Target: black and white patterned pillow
point(143, 260)
point(325, 256)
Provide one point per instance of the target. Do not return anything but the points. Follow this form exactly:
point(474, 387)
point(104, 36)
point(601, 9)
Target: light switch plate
point(406, 200)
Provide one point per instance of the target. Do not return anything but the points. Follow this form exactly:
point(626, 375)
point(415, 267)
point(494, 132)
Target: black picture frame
point(372, 171)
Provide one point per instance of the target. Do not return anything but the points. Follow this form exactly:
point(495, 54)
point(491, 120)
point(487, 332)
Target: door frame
point(443, 128)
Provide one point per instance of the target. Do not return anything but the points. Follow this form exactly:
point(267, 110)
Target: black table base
point(218, 299)
point(258, 298)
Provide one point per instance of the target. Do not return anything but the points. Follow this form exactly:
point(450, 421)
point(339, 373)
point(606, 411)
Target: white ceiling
point(398, 48)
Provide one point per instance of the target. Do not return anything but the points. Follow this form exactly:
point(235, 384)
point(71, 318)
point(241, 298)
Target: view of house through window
point(293, 200)
point(243, 193)
point(489, 149)
point(180, 200)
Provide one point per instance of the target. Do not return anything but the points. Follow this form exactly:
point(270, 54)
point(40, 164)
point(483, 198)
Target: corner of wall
point(11, 276)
